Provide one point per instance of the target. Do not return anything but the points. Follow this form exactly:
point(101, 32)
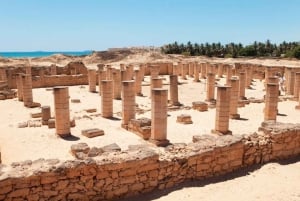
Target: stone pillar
point(154, 71)
point(297, 85)
point(42, 76)
point(174, 90)
point(249, 74)
point(290, 83)
point(159, 117)
point(156, 83)
point(130, 72)
point(142, 69)
point(122, 67)
point(183, 71)
point(116, 76)
point(3, 75)
point(270, 111)
point(27, 90)
point(170, 68)
point(297, 107)
point(196, 72)
point(109, 71)
point(242, 85)
point(101, 76)
point(191, 69)
point(92, 80)
point(28, 70)
point(46, 114)
point(20, 86)
point(53, 70)
point(222, 110)
point(138, 83)
point(124, 75)
point(62, 111)
point(128, 102)
point(220, 70)
point(234, 97)
point(228, 74)
point(210, 87)
point(107, 98)
point(203, 70)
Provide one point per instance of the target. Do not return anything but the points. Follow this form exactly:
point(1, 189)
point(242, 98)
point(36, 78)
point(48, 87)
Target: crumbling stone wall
point(142, 169)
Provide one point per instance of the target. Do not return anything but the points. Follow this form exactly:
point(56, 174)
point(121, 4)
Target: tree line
point(256, 49)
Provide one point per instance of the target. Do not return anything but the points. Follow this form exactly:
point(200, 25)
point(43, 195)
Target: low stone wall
point(142, 169)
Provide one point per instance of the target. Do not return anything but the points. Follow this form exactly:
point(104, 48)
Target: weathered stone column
point(234, 97)
point(196, 72)
point(27, 90)
point(138, 82)
point(159, 117)
point(92, 80)
point(290, 83)
point(222, 110)
point(3, 75)
point(19, 86)
point(249, 75)
point(128, 102)
point(270, 111)
point(46, 114)
point(203, 71)
point(142, 69)
point(174, 90)
point(122, 67)
point(242, 85)
point(124, 75)
point(156, 83)
point(130, 71)
point(53, 70)
point(62, 111)
point(107, 98)
point(28, 70)
point(101, 76)
point(220, 70)
point(116, 76)
point(170, 68)
point(183, 71)
point(210, 87)
point(297, 107)
point(297, 85)
point(228, 74)
point(42, 76)
point(154, 71)
point(191, 69)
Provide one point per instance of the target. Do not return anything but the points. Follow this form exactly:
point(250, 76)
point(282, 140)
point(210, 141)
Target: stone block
point(184, 119)
point(75, 101)
point(80, 147)
point(92, 132)
point(200, 106)
point(51, 123)
point(111, 148)
point(91, 110)
point(36, 115)
point(141, 127)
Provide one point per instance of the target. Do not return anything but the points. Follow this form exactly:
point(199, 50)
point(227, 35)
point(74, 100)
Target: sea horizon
point(37, 54)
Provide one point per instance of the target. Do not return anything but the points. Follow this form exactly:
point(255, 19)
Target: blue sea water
point(41, 54)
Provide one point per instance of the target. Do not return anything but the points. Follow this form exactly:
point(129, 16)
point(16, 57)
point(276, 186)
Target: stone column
point(107, 98)
point(142, 69)
point(222, 110)
point(183, 71)
point(249, 75)
point(203, 70)
point(242, 85)
point(297, 85)
point(20, 86)
point(92, 80)
point(159, 117)
point(191, 69)
point(154, 71)
point(210, 87)
point(46, 114)
point(220, 70)
point(124, 75)
point(234, 97)
point(228, 74)
point(156, 83)
point(116, 76)
point(138, 83)
point(170, 68)
point(101, 76)
point(174, 90)
point(128, 102)
point(53, 69)
point(42, 76)
point(122, 67)
point(62, 111)
point(290, 83)
point(28, 70)
point(196, 72)
point(3, 75)
point(270, 111)
point(130, 72)
point(27, 90)
point(297, 107)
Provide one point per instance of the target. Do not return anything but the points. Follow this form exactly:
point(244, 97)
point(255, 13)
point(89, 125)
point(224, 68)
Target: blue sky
point(28, 25)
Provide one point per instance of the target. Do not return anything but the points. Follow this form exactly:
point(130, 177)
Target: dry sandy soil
point(269, 182)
